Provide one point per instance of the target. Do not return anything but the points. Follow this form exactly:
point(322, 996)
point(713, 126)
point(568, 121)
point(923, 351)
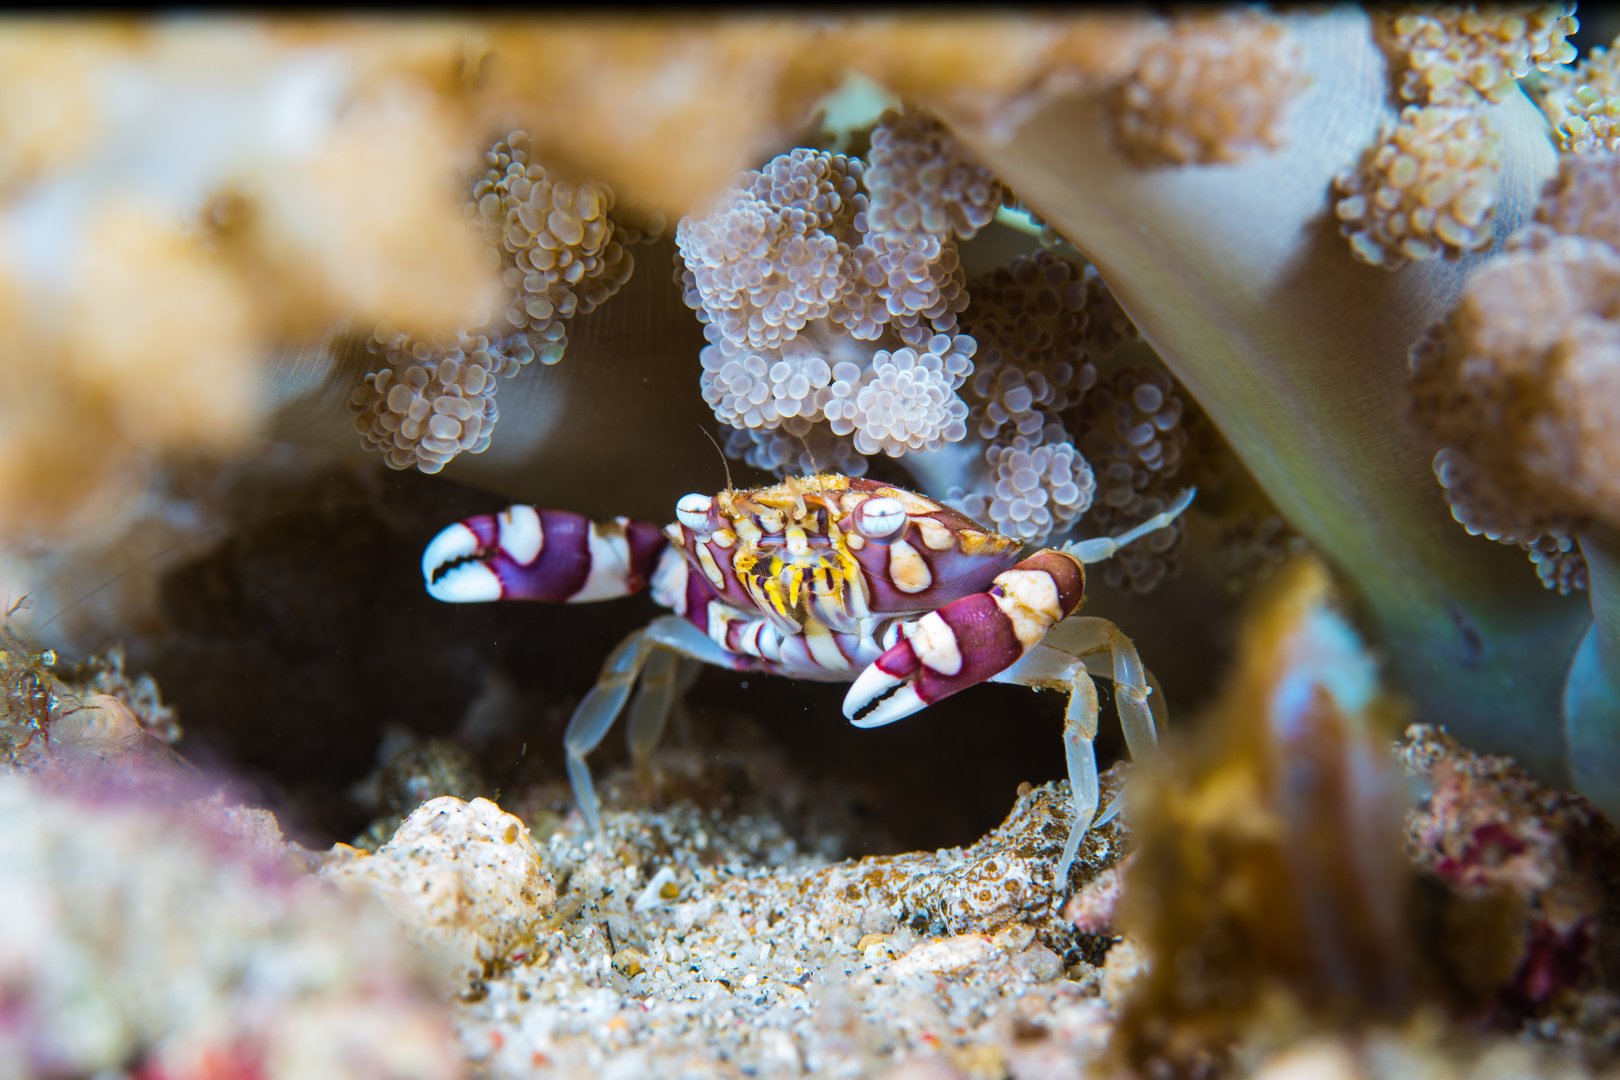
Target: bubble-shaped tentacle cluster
point(923, 184)
point(1464, 55)
point(1517, 387)
point(560, 255)
point(1583, 103)
point(779, 451)
point(435, 399)
point(1428, 188)
point(1031, 318)
point(1037, 485)
point(1041, 321)
point(1214, 87)
point(1137, 428)
point(830, 291)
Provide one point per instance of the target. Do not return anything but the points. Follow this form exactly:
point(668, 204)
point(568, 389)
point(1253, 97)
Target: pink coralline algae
point(1536, 865)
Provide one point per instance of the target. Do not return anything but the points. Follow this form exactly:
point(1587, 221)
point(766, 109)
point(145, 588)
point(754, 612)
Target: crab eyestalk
point(1236, 275)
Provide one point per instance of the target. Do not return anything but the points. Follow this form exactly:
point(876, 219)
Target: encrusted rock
point(461, 876)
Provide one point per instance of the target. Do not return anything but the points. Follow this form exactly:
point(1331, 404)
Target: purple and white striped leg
point(551, 555)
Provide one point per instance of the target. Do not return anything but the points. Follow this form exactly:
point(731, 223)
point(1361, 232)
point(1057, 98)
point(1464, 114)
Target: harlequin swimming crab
point(822, 577)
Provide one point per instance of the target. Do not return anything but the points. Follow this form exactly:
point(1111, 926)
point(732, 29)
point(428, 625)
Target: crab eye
point(881, 520)
point(693, 512)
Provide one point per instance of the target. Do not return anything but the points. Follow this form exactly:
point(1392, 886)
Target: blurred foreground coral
point(1271, 901)
point(206, 190)
point(179, 198)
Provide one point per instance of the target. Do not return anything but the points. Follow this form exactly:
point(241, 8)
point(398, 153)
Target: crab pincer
point(523, 553)
point(968, 641)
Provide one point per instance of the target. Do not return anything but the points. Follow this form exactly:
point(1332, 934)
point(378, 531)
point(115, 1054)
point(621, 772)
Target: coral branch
point(1297, 353)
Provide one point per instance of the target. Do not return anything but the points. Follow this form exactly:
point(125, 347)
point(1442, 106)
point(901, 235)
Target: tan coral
point(1427, 189)
point(1522, 384)
point(626, 100)
point(1582, 200)
point(994, 71)
point(1463, 54)
point(148, 265)
point(1217, 88)
point(1583, 103)
point(53, 116)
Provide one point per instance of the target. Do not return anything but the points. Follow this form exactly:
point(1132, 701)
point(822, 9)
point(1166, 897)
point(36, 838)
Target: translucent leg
point(653, 649)
point(595, 715)
point(1079, 729)
point(1067, 657)
point(1101, 548)
point(1131, 697)
point(650, 709)
point(1109, 653)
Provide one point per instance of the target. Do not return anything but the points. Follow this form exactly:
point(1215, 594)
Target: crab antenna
point(723, 463)
point(814, 468)
point(1099, 548)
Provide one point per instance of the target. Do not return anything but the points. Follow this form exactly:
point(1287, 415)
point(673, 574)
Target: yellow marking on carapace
point(773, 587)
point(974, 542)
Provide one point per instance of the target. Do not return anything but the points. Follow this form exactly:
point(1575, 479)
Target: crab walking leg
point(595, 714)
point(552, 555)
point(1047, 668)
point(1111, 654)
point(1080, 752)
point(650, 709)
point(1102, 548)
point(1066, 658)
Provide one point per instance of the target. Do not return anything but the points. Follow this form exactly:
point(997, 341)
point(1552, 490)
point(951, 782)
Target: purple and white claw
point(549, 555)
point(967, 641)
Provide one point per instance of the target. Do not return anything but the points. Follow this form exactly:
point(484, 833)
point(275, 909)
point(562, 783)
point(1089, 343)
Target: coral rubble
point(143, 939)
